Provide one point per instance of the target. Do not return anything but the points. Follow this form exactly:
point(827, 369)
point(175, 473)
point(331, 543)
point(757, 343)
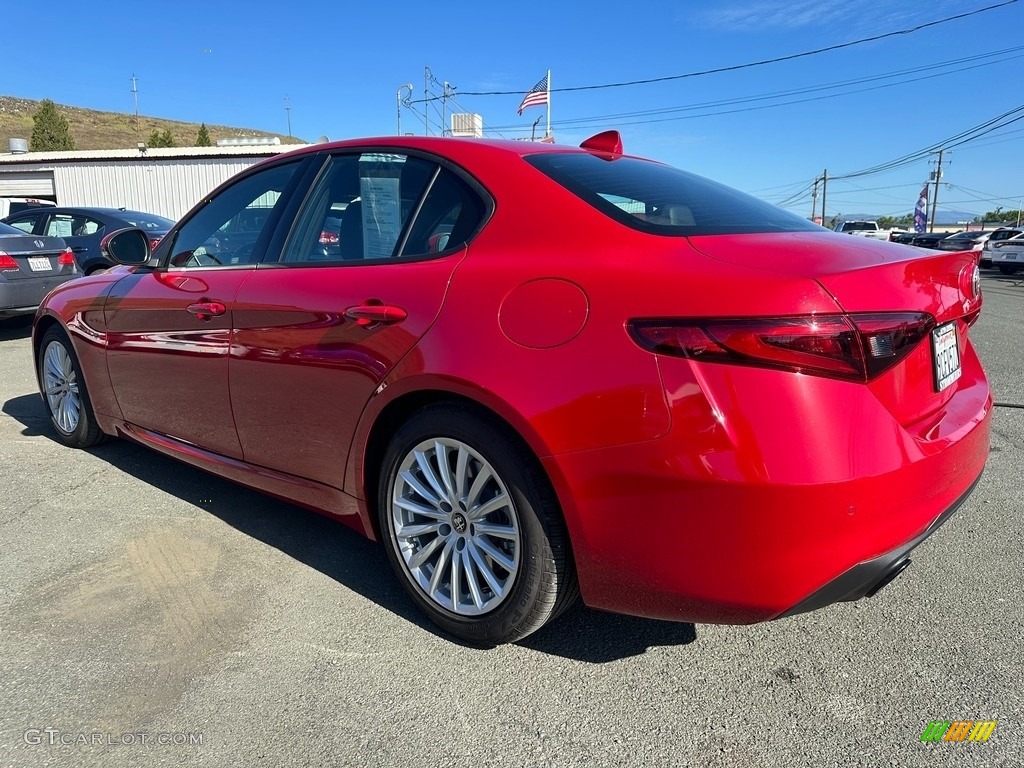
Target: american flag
point(536, 96)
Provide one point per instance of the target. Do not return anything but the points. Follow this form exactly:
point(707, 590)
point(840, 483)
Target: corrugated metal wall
point(165, 187)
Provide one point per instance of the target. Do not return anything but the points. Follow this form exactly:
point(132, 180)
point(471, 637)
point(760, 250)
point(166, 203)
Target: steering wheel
point(201, 260)
point(242, 254)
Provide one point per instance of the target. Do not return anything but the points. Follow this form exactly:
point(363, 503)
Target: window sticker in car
point(382, 220)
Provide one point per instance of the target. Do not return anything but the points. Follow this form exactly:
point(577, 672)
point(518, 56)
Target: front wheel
point(472, 527)
point(64, 392)
point(1007, 270)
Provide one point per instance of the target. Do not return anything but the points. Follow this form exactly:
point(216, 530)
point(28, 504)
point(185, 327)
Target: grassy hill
point(93, 129)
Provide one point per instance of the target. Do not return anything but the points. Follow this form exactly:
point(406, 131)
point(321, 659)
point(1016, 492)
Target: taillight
point(154, 242)
point(858, 346)
point(66, 258)
point(7, 261)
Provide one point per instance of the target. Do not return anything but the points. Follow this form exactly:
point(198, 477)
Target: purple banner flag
point(921, 211)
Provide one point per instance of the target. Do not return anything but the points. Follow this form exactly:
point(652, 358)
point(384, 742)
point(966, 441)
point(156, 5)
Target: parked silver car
point(1001, 234)
point(30, 267)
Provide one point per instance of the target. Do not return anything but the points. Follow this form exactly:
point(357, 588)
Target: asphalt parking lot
point(143, 601)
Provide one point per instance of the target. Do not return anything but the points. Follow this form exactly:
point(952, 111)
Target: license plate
point(946, 355)
point(39, 264)
point(1011, 257)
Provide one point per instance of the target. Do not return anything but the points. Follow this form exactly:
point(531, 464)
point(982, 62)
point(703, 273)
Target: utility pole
point(446, 93)
point(814, 202)
point(135, 93)
point(935, 192)
point(398, 98)
point(288, 112)
point(824, 189)
point(426, 99)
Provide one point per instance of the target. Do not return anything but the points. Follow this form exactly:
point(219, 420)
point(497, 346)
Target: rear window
point(147, 221)
point(663, 200)
point(7, 229)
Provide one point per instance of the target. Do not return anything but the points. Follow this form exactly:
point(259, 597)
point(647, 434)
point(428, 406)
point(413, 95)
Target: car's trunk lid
point(35, 256)
point(873, 277)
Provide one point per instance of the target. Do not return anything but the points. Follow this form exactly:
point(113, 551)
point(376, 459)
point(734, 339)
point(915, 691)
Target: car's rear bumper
point(22, 297)
point(1004, 258)
point(869, 577)
point(795, 500)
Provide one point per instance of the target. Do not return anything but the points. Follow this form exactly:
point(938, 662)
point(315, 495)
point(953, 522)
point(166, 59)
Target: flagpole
point(548, 134)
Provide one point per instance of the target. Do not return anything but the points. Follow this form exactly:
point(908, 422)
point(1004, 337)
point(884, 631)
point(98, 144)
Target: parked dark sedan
point(929, 239)
point(971, 240)
point(30, 267)
point(83, 229)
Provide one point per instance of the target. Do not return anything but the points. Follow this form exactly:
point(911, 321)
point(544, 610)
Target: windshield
point(663, 200)
point(855, 226)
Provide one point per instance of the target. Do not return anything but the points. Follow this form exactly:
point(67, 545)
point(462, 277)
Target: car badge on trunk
point(39, 243)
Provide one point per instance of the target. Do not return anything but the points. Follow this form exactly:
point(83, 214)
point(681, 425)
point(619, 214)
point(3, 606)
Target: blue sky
point(341, 65)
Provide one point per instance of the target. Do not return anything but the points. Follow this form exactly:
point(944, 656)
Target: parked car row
point(43, 245)
point(83, 229)
point(985, 242)
point(919, 239)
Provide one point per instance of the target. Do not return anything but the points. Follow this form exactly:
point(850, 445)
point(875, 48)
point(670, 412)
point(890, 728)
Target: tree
point(161, 139)
point(203, 137)
point(50, 130)
point(999, 216)
point(889, 222)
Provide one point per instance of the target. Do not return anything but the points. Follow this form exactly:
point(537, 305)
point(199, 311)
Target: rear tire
point(1008, 270)
point(472, 527)
point(64, 392)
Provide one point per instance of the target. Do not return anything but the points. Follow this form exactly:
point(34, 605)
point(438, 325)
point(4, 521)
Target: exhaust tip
point(888, 576)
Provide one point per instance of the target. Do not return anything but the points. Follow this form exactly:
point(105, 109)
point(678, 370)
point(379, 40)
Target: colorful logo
point(958, 730)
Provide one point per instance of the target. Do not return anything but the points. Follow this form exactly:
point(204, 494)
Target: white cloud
point(845, 15)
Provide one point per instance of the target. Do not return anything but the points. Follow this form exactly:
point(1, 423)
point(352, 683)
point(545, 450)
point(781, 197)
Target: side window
point(84, 226)
point(25, 224)
point(372, 207)
point(60, 225)
point(358, 209)
point(450, 214)
point(227, 229)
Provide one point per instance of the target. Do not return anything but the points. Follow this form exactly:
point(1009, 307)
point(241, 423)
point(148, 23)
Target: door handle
point(369, 314)
point(205, 310)
point(77, 249)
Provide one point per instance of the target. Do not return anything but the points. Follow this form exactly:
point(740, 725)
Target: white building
point(165, 181)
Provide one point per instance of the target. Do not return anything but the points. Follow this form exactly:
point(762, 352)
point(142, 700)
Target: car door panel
point(301, 370)
point(168, 365)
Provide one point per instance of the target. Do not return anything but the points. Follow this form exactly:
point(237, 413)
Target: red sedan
point(537, 372)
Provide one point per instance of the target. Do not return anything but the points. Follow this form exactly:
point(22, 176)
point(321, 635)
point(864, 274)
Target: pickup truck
point(1008, 255)
point(869, 229)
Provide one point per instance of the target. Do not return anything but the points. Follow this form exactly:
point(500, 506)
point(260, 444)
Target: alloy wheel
point(455, 527)
point(60, 384)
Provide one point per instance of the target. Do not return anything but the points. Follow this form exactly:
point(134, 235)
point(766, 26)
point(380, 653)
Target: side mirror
point(127, 246)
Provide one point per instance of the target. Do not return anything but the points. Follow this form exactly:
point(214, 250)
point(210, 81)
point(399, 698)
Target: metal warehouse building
point(165, 181)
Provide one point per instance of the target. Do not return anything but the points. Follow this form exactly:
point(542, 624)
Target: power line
point(963, 137)
point(762, 62)
point(593, 119)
